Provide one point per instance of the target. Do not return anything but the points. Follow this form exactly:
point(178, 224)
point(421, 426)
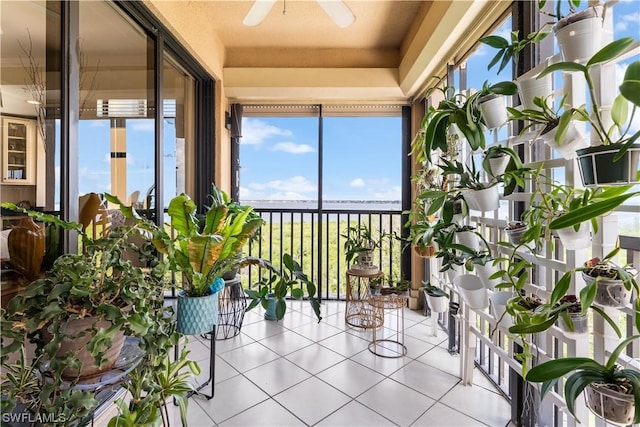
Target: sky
point(279, 155)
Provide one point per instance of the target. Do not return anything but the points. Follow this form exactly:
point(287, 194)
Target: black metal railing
point(315, 239)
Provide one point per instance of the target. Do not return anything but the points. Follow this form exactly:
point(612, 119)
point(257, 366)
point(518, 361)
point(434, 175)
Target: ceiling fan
point(337, 10)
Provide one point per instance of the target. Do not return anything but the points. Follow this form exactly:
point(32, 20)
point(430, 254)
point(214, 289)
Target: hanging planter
point(579, 35)
point(572, 239)
point(438, 301)
point(609, 404)
point(468, 238)
point(514, 231)
point(486, 199)
point(498, 308)
point(597, 166)
point(425, 251)
point(609, 292)
point(493, 110)
point(498, 165)
point(532, 87)
point(454, 271)
point(572, 141)
point(472, 291)
point(485, 272)
point(197, 315)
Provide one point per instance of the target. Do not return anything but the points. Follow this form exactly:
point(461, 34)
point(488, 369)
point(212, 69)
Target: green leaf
point(616, 352)
point(620, 110)
point(561, 288)
point(563, 66)
point(585, 213)
point(574, 386)
point(504, 88)
point(610, 51)
point(556, 368)
point(495, 42)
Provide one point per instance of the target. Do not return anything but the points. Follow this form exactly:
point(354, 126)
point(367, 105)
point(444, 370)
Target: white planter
point(573, 140)
point(498, 308)
point(468, 239)
point(533, 87)
point(580, 40)
point(486, 271)
point(572, 239)
point(515, 235)
point(580, 325)
point(498, 165)
point(610, 405)
point(494, 111)
point(472, 291)
point(487, 199)
point(455, 271)
point(437, 304)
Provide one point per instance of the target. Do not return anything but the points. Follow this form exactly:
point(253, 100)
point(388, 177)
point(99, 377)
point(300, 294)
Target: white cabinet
point(18, 151)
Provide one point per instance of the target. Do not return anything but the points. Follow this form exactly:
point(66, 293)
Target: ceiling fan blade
point(338, 12)
point(259, 10)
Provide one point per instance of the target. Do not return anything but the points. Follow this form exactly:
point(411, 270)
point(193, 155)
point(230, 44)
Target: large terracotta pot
point(78, 344)
point(26, 243)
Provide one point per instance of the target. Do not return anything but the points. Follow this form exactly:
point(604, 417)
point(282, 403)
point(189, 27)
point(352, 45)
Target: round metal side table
point(358, 312)
point(231, 305)
point(389, 347)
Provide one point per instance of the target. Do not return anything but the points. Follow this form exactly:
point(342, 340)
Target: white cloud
point(623, 21)
point(294, 188)
point(358, 182)
point(256, 131)
point(293, 148)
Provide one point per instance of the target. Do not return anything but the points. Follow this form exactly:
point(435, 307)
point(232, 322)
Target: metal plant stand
point(232, 306)
point(358, 312)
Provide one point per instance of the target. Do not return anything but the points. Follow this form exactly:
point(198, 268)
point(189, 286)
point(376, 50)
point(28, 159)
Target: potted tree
point(288, 281)
point(612, 393)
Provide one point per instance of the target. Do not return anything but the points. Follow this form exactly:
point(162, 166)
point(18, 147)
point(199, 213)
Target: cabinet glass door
point(16, 151)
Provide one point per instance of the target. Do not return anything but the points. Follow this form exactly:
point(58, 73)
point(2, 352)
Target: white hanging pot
point(493, 110)
point(468, 239)
point(437, 304)
point(533, 87)
point(515, 234)
point(487, 199)
point(472, 291)
point(498, 308)
point(573, 140)
point(486, 271)
point(454, 271)
point(579, 38)
point(572, 239)
point(498, 165)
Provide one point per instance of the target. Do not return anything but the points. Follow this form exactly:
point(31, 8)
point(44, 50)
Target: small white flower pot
point(493, 110)
point(533, 87)
point(499, 165)
point(486, 271)
point(468, 239)
point(572, 239)
point(498, 308)
point(573, 140)
point(515, 235)
point(610, 405)
point(580, 325)
point(609, 292)
point(437, 304)
point(455, 271)
point(579, 40)
point(472, 291)
point(487, 199)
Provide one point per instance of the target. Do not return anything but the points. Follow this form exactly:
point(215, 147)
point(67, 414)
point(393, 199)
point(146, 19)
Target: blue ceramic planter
point(197, 315)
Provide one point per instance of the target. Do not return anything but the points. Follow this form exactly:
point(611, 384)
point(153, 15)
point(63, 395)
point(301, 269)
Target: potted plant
point(555, 128)
point(616, 159)
point(202, 252)
point(491, 103)
point(478, 195)
point(612, 392)
point(499, 159)
point(437, 297)
point(360, 243)
point(288, 281)
point(611, 285)
point(80, 315)
point(515, 230)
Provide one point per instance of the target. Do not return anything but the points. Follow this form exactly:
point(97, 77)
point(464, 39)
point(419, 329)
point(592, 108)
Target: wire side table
point(388, 347)
point(358, 312)
point(232, 306)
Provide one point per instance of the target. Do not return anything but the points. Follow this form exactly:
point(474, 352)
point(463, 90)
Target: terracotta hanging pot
point(26, 244)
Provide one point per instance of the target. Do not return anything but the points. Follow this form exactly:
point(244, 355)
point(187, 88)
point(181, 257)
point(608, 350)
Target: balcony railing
point(315, 239)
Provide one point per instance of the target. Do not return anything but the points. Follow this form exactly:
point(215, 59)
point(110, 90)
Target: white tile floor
point(298, 372)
